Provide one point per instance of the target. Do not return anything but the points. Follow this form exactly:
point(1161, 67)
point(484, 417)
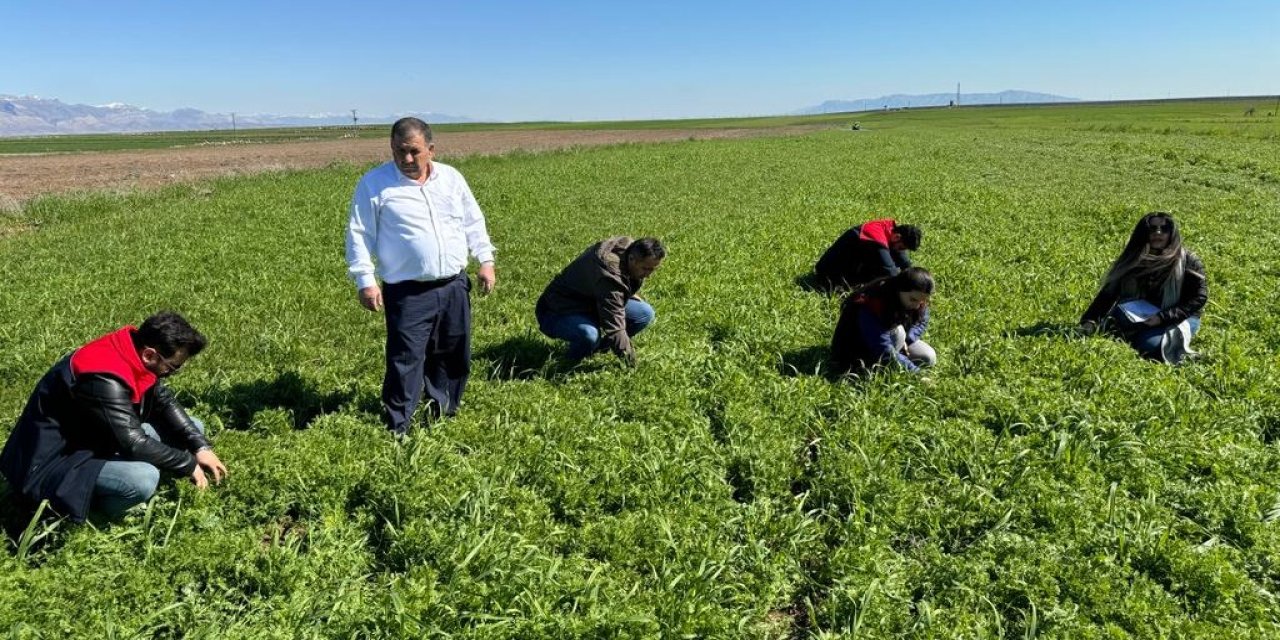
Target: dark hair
point(911, 279)
point(887, 288)
point(405, 127)
point(169, 333)
point(1136, 262)
point(647, 247)
point(910, 235)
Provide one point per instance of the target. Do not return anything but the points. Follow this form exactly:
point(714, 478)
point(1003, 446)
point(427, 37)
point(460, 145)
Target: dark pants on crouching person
point(428, 345)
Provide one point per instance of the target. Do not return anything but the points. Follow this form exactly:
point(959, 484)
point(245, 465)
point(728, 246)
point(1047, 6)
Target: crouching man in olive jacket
point(101, 426)
point(592, 304)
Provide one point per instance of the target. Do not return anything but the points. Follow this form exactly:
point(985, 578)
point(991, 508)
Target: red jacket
point(862, 254)
point(878, 231)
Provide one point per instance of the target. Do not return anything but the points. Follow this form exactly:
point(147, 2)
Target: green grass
point(1214, 117)
point(1207, 116)
point(1043, 486)
point(172, 139)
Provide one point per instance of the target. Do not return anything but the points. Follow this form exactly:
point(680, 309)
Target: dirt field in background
point(25, 176)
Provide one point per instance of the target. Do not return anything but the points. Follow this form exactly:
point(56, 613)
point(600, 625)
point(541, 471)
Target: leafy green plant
point(1044, 485)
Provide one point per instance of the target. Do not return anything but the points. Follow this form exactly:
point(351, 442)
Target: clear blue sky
point(588, 60)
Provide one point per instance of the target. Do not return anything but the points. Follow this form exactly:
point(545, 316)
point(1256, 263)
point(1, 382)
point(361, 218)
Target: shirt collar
point(432, 174)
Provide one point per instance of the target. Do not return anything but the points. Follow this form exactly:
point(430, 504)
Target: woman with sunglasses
point(1153, 294)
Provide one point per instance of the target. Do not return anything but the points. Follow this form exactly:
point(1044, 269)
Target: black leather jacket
point(72, 425)
point(108, 401)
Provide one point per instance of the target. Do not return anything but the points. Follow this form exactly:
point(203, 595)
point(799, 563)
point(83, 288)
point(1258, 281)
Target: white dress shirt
point(413, 231)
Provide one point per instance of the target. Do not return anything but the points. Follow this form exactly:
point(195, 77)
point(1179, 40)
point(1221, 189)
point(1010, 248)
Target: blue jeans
point(124, 483)
point(581, 332)
point(1147, 341)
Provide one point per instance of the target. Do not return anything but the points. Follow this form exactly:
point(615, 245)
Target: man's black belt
point(428, 284)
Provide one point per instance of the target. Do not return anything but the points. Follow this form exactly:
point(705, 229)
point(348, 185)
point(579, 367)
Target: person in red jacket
point(871, 250)
point(101, 425)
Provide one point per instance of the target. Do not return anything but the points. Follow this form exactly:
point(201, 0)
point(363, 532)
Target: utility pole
point(957, 94)
point(354, 120)
point(233, 122)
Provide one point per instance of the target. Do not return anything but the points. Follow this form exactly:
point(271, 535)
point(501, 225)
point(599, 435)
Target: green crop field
point(1197, 116)
point(173, 139)
point(1043, 485)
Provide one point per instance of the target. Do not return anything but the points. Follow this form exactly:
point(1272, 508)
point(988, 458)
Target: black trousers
point(428, 345)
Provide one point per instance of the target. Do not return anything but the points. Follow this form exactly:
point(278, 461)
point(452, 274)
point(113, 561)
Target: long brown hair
point(1137, 263)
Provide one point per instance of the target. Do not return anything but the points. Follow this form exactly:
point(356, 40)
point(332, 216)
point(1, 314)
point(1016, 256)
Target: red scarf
point(115, 355)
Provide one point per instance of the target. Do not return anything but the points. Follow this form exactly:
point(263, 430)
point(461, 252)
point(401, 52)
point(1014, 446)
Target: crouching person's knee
point(148, 481)
point(583, 341)
point(124, 484)
point(640, 314)
point(922, 354)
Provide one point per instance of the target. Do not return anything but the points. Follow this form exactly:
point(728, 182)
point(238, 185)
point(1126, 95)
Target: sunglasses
point(173, 368)
point(169, 366)
point(1159, 228)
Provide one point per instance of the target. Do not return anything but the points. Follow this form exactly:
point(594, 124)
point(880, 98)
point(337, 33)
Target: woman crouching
point(882, 322)
point(1154, 292)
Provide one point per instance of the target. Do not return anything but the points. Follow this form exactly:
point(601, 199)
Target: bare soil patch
point(23, 177)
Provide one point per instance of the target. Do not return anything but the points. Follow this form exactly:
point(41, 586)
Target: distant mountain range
point(30, 115)
point(899, 101)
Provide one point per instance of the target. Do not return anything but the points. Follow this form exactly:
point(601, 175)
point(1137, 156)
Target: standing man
point(101, 426)
point(593, 304)
point(417, 220)
point(871, 250)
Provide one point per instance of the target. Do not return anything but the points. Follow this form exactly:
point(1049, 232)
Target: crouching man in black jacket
point(101, 426)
